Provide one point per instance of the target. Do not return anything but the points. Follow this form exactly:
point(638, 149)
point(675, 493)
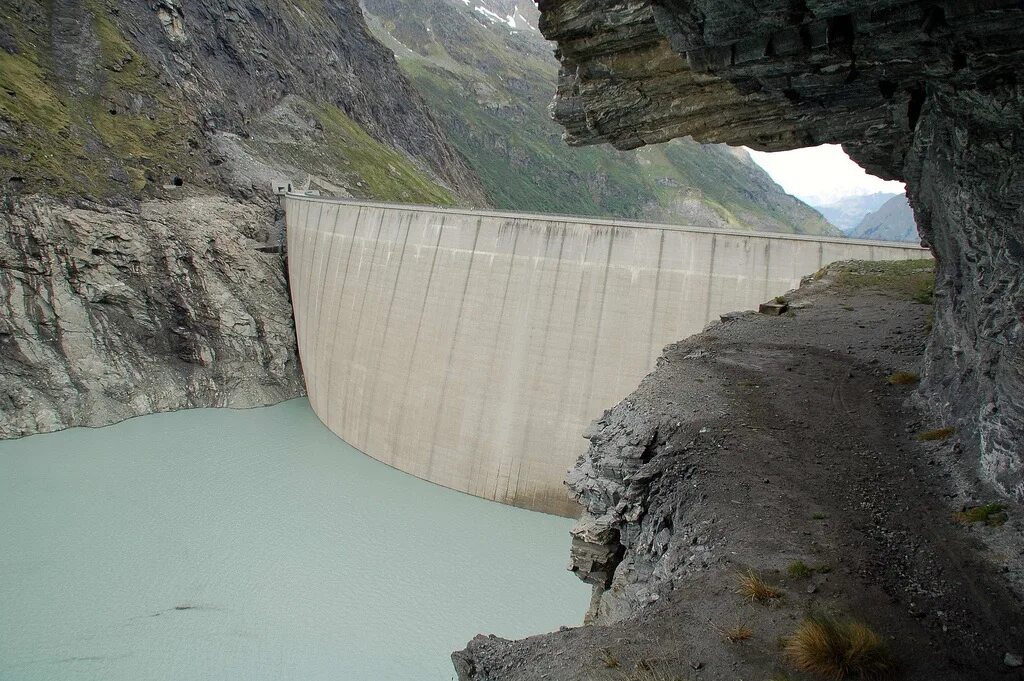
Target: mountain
point(894, 221)
point(139, 263)
point(104, 101)
point(846, 213)
point(488, 76)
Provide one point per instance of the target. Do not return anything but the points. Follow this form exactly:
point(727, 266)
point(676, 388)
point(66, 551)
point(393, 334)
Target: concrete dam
point(473, 348)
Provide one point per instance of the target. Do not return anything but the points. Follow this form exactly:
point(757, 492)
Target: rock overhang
point(774, 74)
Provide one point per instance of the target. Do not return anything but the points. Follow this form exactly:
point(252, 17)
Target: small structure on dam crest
point(472, 349)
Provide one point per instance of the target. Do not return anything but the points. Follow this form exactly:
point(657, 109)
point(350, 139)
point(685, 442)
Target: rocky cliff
point(927, 92)
point(114, 311)
point(140, 265)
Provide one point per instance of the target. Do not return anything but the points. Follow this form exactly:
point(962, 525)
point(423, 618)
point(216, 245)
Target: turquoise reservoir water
point(220, 544)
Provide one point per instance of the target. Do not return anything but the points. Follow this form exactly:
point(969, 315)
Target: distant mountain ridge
point(894, 221)
point(487, 77)
point(846, 213)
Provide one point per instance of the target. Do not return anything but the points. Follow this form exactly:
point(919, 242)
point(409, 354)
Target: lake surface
point(223, 544)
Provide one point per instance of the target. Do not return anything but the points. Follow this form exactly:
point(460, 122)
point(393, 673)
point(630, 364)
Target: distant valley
point(487, 76)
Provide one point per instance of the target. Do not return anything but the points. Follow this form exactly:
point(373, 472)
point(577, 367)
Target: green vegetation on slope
point(490, 88)
point(112, 124)
point(388, 175)
point(336, 150)
point(909, 279)
point(126, 131)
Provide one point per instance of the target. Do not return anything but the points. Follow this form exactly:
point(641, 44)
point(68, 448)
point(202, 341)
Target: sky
point(821, 175)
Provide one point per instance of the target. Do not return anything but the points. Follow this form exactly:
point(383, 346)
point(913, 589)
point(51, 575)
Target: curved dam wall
point(472, 349)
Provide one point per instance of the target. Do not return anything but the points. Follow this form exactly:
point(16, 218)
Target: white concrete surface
point(471, 349)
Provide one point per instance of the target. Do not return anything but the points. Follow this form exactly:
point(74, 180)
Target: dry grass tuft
point(608, 658)
point(755, 588)
point(838, 650)
point(937, 434)
point(740, 632)
point(903, 378)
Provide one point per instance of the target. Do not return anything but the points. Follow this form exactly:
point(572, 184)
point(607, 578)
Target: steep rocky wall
point(137, 143)
point(111, 312)
point(922, 91)
point(967, 184)
point(126, 95)
point(241, 59)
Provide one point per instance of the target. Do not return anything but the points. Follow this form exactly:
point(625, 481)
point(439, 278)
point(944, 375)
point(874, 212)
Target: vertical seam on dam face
point(387, 325)
point(490, 349)
point(531, 404)
point(492, 360)
point(359, 316)
point(320, 304)
point(654, 300)
point(340, 296)
point(588, 386)
point(711, 279)
point(404, 393)
point(451, 350)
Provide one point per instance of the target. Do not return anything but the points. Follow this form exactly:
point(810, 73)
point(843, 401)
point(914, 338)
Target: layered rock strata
point(927, 92)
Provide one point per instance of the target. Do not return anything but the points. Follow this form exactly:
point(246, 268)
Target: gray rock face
point(966, 181)
point(922, 91)
point(108, 313)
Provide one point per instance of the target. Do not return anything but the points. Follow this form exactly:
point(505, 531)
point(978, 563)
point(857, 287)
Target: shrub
point(740, 632)
point(992, 515)
point(937, 434)
point(799, 570)
point(837, 650)
point(608, 658)
point(755, 589)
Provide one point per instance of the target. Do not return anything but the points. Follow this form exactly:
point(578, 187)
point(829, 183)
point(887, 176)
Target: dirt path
point(772, 440)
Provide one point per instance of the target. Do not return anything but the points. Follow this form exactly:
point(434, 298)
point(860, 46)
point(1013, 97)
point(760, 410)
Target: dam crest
point(472, 348)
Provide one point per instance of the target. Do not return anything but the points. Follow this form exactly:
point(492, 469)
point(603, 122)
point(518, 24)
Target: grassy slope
point(126, 132)
point(491, 89)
